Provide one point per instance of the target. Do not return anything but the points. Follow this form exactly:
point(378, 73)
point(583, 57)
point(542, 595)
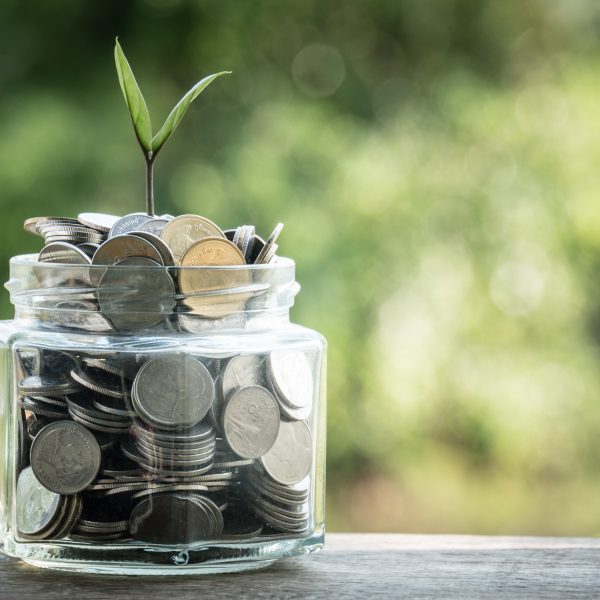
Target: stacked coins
point(164, 447)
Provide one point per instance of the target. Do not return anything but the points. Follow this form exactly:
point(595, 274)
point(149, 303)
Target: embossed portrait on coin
point(66, 459)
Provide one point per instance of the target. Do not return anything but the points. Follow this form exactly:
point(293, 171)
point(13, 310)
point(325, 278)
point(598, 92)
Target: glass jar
point(148, 431)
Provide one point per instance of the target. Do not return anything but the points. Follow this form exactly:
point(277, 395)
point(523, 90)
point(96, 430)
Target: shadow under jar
point(148, 430)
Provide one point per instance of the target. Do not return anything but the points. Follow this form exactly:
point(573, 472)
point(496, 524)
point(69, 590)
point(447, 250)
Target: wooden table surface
point(357, 566)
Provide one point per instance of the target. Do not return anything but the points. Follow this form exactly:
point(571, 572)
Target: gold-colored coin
point(183, 231)
point(214, 293)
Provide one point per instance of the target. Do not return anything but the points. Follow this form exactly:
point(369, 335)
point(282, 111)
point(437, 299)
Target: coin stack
point(164, 447)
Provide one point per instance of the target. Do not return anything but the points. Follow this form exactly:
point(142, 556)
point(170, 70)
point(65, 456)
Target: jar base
point(126, 559)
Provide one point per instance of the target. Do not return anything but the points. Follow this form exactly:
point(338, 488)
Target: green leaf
point(177, 113)
point(138, 110)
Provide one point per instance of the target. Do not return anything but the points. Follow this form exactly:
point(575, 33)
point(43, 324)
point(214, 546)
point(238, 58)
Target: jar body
point(204, 452)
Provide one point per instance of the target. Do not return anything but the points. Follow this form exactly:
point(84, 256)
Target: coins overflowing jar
point(158, 416)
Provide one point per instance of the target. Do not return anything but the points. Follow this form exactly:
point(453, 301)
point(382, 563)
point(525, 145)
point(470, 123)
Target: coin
point(241, 525)
point(173, 391)
point(163, 249)
point(241, 371)
point(154, 226)
point(100, 381)
point(47, 386)
point(63, 252)
point(268, 252)
point(289, 459)
point(89, 248)
point(32, 225)
point(133, 298)
point(251, 421)
point(169, 519)
point(128, 223)
point(37, 506)
point(98, 221)
point(183, 231)
point(243, 236)
point(291, 376)
point(118, 248)
point(215, 292)
point(65, 457)
point(254, 249)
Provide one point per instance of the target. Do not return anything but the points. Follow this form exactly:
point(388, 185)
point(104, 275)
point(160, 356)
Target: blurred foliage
point(436, 166)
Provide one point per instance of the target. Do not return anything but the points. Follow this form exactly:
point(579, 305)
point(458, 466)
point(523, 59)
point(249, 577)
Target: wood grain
point(357, 566)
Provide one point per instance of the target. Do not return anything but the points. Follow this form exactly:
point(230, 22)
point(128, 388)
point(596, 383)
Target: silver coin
point(65, 457)
point(291, 375)
point(290, 458)
point(268, 252)
point(89, 248)
point(117, 249)
point(100, 382)
point(284, 511)
point(241, 371)
point(59, 402)
point(191, 435)
point(163, 249)
point(78, 232)
point(240, 525)
point(243, 236)
point(277, 495)
point(37, 506)
point(169, 519)
point(277, 523)
point(128, 223)
point(251, 421)
point(42, 385)
point(105, 406)
point(62, 252)
point(255, 246)
point(102, 529)
point(90, 424)
point(32, 225)
point(75, 507)
point(173, 391)
point(80, 314)
point(154, 226)
point(101, 363)
point(134, 298)
point(98, 221)
point(40, 409)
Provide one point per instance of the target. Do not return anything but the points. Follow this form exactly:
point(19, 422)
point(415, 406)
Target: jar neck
point(82, 321)
point(115, 299)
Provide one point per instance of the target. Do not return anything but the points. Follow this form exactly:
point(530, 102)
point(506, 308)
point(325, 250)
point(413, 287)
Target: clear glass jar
point(146, 431)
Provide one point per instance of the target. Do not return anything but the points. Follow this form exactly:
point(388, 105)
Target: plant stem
point(150, 186)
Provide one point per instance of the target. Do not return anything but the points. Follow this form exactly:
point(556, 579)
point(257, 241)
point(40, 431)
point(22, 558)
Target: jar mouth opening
point(31, 260)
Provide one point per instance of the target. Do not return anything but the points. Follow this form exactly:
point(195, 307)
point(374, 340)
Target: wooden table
point(357, 566)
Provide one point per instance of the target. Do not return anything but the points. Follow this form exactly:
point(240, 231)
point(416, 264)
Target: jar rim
point(31, 260)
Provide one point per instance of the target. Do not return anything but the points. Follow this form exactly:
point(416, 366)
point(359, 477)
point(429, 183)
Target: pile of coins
point(142, 296)
point(164, 447)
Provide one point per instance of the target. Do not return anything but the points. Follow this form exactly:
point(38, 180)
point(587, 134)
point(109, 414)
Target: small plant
point(140, 117)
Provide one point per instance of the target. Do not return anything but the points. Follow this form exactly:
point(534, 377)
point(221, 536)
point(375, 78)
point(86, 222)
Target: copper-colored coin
point(214, 293)
point(185, 230)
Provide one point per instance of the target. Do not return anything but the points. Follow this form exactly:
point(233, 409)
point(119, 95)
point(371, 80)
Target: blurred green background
point(436, 164)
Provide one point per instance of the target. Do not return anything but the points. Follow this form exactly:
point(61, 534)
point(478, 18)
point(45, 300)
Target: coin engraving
point(36, 505)
point(289, 459)
point(65, 457)
point(173, 391)
point(251, 421)
point(180, 233)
